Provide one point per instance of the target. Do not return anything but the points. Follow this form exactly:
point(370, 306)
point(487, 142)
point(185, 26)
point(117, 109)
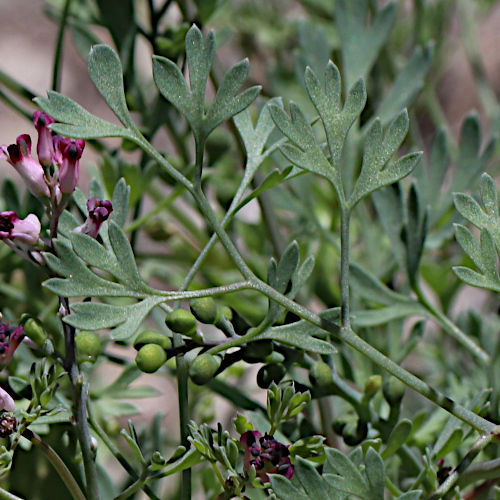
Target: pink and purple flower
point(99, 211)
point(19, 156)
point(25, 231)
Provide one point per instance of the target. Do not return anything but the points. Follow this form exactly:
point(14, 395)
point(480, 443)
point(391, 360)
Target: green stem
point(344, 266)
point(117, 453)
point(183, 396)
point(452, 329)
point(480, 444)
point(15, 106)
point(80, 398)
point(58, 464)
point(164, 203)
point(135, 486)
point(345, 333)
point(16, 87)
point(5, 495)
point(350, 337)
point(82, 426)
point(59, 47)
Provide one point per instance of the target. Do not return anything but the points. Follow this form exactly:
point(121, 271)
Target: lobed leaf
point(76, 121)
point(106, 72)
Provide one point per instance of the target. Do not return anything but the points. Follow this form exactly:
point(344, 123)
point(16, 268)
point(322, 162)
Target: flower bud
point(181, 321)
point(45, 146)
point(150, 358)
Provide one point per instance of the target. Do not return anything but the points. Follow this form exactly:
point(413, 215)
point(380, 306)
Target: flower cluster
point(8, 424)
point(57, 170)
point(266, 454)
point(52, 178)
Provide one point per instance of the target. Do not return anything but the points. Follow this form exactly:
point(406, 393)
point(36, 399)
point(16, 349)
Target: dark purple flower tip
point(69, 171)
point(41, 120)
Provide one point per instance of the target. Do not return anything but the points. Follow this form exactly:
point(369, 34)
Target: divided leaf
point(106, 72)
point(190, 100)
point(375, 170)
point(361, 43)
point(485, 254)
point(76, 121)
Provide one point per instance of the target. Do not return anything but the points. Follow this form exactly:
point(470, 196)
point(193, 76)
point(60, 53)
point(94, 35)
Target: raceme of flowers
point(52, 179)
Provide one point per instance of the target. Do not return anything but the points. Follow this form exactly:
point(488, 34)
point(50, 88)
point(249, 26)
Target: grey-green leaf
point(106, 72)
point(361, 43)
point(375, 472)
point(398, 437)
point(76, 121)
point(126, 319)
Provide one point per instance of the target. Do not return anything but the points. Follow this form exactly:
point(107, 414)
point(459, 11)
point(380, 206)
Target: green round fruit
point(152, 337)
point(181, 321)
point(258, 350)
point(150, 357)
point(321, 374)
point(203, 368)
point(205, 309)
point(273, 372)
point(88, 347)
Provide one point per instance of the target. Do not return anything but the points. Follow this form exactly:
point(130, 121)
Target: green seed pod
point(150, 357)
point(256, 351)
point(203, 368)
point(268, 374)
point(88, 347)
point(321, 374)
point(393, 390)
point(33, 328)
point(181, 321)
point(205, 309)
point(152, 337)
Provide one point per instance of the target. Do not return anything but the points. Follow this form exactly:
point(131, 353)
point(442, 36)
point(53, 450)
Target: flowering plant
point(234, 244)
